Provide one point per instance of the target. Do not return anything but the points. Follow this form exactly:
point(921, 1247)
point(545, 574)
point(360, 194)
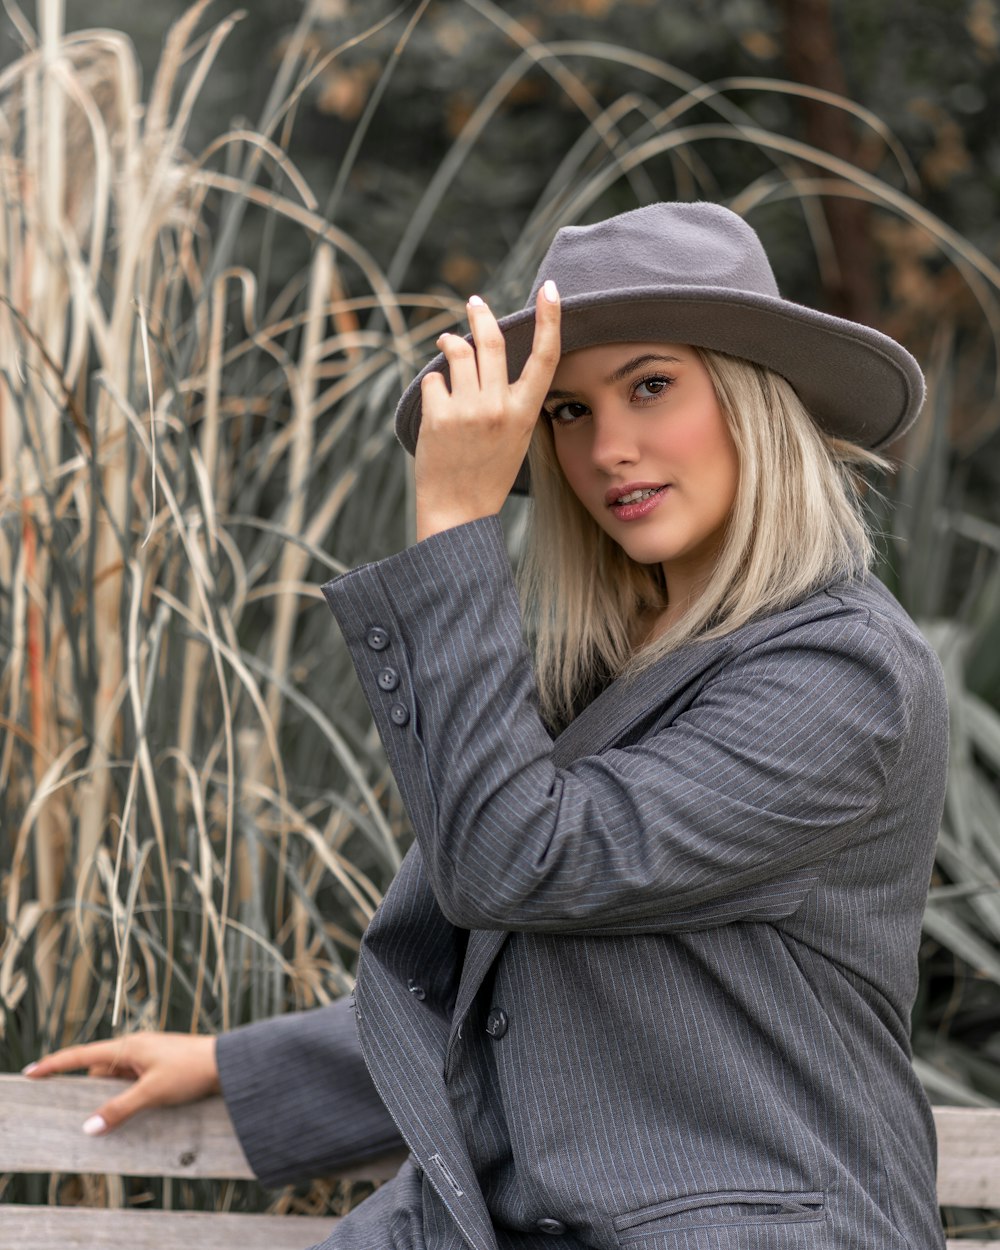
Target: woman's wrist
point(431, 522)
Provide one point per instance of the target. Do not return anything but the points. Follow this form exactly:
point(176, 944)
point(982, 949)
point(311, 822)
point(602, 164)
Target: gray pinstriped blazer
point(647, 985)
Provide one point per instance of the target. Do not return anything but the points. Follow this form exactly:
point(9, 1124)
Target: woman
point(645, 978)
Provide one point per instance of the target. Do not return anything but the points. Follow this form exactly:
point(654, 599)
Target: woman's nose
point(614, 442)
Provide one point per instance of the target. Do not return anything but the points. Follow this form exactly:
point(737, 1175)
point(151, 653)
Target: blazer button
point(496, 1023)
point(377, 638)
point(388, 679)
point(416, 990)
point(399, 714)
point(555, 1227)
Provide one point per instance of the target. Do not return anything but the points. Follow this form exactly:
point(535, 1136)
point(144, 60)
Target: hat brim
point(857, 383)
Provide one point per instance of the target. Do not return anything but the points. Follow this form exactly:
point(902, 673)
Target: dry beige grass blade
point(339, 492)
point(174, 48)
point(293, 560)
point(322, 229)
point(875, 123)
point(211, 920)
point(316, 553)
point(124, 921)
point(13, 981)
point(332, 861)
point(54, 779)
point(265, 147)
point(209, 445)
point(147, 772)
point(770, 190)
point(13, 675)
point(242, 666)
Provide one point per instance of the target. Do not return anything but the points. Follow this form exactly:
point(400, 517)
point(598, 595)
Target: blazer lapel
point(484, 946)
point(619, 713)
point(623, 711)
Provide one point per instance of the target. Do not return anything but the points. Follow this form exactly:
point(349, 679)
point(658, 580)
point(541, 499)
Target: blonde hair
point(796, 524)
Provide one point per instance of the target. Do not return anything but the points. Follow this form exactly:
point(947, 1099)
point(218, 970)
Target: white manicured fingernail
point(28, 1069)
point(476, 302)
point(550, 292)
point(95, 1126)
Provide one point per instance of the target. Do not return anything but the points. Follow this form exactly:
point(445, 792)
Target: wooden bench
point(40, 1132)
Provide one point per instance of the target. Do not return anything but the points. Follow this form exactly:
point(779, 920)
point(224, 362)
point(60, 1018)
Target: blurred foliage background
point(223, 251)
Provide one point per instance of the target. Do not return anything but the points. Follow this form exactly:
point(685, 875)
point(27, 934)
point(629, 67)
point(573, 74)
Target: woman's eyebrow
point(637, 362)
point(624, 371)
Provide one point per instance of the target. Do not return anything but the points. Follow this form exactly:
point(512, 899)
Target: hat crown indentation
point(672, 245)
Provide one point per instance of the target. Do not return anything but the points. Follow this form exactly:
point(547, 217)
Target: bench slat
point(40, 1131)
point(968, 1156)
point(83, 1228)
point(78, 1228)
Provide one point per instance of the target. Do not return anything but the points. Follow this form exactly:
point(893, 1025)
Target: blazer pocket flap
point(722, 1207)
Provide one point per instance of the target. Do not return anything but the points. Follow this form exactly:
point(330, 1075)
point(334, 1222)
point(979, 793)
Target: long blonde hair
point(796, 524)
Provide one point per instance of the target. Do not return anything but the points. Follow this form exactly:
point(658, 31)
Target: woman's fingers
point(546, 347)
point(475, 429)
point(73, 1058)
point(461, 358)
point(169, 1068)
point(479, 372)
point(136, 1097)
point(491, 350)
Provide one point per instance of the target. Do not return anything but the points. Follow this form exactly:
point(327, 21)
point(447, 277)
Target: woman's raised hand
point(474, 437)
point(167, 1068)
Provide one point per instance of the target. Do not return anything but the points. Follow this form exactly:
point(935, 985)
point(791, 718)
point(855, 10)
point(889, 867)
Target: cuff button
point(399, 714)
point(388, 679)
point(377, 638)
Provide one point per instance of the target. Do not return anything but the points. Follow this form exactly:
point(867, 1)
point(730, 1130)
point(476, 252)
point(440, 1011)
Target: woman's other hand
point(474, 437)
point(167, 1068)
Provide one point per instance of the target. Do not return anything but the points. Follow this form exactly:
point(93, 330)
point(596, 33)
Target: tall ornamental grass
point(196, 818)
point(196, 824)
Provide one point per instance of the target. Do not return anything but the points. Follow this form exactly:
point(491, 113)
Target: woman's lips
point(633, 511)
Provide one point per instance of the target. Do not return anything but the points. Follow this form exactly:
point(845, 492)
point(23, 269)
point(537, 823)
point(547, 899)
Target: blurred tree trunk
point(813, 58)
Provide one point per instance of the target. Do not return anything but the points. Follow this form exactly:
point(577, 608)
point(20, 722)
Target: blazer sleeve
point(300, 1096)
point(777, 764)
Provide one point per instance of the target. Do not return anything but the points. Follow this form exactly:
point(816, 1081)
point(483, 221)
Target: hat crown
point(660, 245)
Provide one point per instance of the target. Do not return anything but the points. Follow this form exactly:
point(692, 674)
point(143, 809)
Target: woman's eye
point(650, 387)
point(565, 414)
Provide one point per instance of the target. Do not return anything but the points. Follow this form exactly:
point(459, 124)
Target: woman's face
point(630, 417)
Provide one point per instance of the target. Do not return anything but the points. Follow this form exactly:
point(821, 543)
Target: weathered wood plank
point(76, 1228)
point(968, 1156)
point(40, 1131)
point(81, 1228)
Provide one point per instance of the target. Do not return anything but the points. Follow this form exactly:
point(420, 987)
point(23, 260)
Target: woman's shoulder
point(850, 602)
point(856, 618)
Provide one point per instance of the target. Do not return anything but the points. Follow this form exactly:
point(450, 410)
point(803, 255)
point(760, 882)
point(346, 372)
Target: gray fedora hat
point(696, 273)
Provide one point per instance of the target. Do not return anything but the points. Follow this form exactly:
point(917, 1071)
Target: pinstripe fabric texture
point(647, 984)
